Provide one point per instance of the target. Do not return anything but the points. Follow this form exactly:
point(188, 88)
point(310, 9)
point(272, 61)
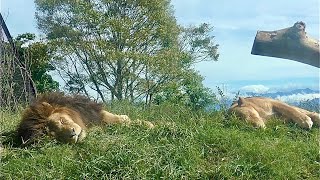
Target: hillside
point(184, 145)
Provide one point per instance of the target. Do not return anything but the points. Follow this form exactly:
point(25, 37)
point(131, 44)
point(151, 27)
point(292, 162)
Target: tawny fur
point(66, 118)
point(257, 110)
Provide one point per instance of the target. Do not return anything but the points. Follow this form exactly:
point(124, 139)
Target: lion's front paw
point(305, 122)
point(260, 125)
point(125, 119)
point(315, 117)
point(147, 124)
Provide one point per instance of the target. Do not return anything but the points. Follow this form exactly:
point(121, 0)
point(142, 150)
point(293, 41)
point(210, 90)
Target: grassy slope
point(183, 145)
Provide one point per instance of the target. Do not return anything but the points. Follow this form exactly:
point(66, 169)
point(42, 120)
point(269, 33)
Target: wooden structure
point(289, 43)
point(16, 85)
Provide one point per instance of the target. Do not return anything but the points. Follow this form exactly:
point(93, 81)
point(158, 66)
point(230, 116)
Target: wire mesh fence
point(16, 85)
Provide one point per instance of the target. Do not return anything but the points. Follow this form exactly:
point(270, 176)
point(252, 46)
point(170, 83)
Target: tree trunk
point(119, 81)
point(290, 43)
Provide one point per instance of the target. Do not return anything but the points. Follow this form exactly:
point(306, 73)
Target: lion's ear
point(47, 108)
point(47, 105)
point(241, 101)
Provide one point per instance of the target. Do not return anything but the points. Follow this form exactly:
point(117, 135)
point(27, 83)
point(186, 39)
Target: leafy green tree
point(36, 54)
point(124, 48)
point(197, 45)
point(189, 91)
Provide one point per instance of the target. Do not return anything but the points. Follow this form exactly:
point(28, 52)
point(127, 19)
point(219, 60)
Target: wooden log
point(289, 43)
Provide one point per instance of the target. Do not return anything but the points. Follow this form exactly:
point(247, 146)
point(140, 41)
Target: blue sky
point(235, 25)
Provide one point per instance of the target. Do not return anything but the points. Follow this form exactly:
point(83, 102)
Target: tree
point(189, 91)
point(197, 45)
point(124, 47)
point(36, 54)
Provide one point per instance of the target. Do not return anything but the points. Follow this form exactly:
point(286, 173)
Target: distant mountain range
point(305, 98)
point(287, 93)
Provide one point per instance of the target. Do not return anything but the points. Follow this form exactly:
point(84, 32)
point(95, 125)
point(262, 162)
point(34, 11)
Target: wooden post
point(290, 43)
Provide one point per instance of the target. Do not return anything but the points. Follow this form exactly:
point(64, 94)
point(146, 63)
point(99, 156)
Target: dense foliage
point(126, 49)
point(37, 56)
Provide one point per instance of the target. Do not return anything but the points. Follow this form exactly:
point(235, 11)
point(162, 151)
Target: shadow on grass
point(10, 139)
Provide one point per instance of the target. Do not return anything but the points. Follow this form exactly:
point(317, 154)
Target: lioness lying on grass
point(256, 110)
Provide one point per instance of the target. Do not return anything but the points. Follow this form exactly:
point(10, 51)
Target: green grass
point(184, 145)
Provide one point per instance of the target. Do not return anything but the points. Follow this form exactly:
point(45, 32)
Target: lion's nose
point(73, 133)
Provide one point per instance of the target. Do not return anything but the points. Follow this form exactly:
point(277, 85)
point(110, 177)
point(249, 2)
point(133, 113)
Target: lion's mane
point(34, 119)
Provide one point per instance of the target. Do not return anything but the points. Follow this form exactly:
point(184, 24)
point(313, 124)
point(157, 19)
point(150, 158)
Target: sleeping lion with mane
point(66, 118)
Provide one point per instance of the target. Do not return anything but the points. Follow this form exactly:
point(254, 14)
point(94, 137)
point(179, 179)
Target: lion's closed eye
point(62, 121)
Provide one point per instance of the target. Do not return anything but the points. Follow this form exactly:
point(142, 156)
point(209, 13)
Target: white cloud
point(298, 97)
point(255, 88)
point(291, 86)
